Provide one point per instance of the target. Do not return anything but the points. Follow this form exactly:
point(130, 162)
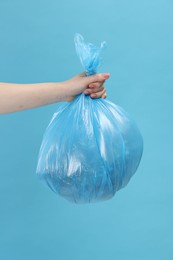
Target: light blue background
point(36, 45)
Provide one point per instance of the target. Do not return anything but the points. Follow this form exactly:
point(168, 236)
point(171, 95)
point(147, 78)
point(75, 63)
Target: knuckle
point(99, 77)
point(97, 84)
point(94, 85)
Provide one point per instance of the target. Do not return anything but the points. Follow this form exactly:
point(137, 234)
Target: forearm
point(17, 97)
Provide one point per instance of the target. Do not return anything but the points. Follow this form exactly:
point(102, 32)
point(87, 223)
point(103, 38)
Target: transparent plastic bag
point(91, 147)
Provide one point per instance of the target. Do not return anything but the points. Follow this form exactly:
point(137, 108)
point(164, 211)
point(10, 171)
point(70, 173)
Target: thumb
point(97, 78)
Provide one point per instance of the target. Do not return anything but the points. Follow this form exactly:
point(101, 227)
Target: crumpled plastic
point(92, 147)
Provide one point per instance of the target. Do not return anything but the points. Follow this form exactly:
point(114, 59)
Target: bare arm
point(17, 97)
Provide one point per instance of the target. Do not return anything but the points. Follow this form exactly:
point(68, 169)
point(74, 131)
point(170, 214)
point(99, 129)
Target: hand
point(96, 90)
point(90, 85)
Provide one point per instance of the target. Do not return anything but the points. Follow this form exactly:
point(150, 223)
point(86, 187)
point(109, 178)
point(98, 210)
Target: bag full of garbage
point(92, 147)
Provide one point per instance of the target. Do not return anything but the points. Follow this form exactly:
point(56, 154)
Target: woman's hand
point(96, 90)
point(90, 85)
point(16, 97)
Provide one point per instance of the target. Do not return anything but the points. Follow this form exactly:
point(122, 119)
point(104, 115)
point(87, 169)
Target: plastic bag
point(91, 147)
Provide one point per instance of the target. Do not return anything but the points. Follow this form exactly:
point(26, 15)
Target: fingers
point(92, 85)
point(94, 78)
point(97, 78)
point(104, 95)
point(96, 91)
point(93, 90)
point(96, 85)
point(99, 94)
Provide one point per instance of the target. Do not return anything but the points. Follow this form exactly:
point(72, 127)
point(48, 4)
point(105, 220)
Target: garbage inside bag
point(91, 147)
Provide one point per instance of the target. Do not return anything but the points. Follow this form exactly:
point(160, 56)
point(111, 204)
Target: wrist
point(60, 91)
point(68, 89)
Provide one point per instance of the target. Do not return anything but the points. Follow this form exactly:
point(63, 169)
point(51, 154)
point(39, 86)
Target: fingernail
point(93, 95)
point(86, 92)
point(106, 75)
point(91, 86)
